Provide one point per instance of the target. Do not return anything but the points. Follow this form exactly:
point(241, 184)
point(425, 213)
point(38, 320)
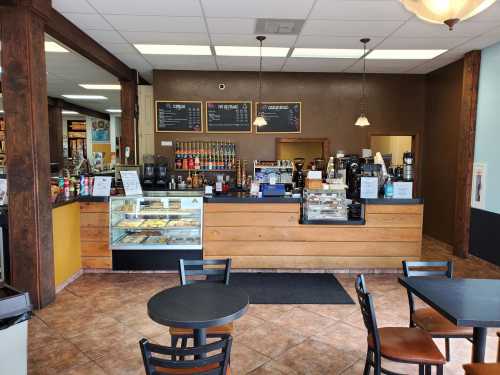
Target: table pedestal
point(200, 338)
point(479, 344)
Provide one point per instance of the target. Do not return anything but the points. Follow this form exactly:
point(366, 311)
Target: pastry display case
point(149, 223)
point(324, 205)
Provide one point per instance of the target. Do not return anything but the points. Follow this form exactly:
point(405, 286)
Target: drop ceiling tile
point(315, 41)
point(360, 10)
point(105, 36)
point(165, 38)
point(249, 40)
point(76, 6)
point(231, 25)
point(384, 66)
point(157, 23)
point(134, 61)
point(181, 62)
point(119, 47)
point(490, 14)
point(480, 42)
point(350, 28)
point(430, 66)
point(416, 28)
point(257, 8)
point(249, 63)
point(182, 8)
point(317, 65)
point(421, 43)
point(88, 21)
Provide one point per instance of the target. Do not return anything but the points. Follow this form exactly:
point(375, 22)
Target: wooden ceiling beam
point(64, 31)
point(78, 108)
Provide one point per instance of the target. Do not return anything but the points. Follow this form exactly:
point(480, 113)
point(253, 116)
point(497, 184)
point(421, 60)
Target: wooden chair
point(398, 344)
point(427, 318)
point(484, 368)
point(210, 359)
point(194, 268)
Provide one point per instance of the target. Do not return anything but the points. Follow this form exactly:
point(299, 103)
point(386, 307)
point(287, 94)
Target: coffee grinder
point(298, 174)
point(161, 172)
point(148, 175)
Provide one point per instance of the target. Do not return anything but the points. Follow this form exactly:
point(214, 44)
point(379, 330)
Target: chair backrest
point(218, 270)
point(210, 359)
point(429, 269)
point(367, 311)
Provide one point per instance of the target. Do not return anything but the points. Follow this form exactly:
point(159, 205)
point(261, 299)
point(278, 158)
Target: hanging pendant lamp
point(362, 119)
point(260, 120)
point(449, 12)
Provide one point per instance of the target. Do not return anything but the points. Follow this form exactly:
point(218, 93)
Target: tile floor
point(95, 324)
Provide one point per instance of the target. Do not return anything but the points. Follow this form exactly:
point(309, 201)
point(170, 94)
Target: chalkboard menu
point(281, 117)
point(177, 116)
point(229, 117)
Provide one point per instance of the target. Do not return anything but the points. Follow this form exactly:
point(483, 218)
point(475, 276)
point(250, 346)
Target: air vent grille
point(267, 26)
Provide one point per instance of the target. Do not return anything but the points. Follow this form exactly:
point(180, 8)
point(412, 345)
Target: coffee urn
point(408, 160)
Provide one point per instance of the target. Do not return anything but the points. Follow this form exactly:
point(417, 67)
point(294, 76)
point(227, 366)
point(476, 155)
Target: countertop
point(246, 198)
point(393, 201)
point(62, 201)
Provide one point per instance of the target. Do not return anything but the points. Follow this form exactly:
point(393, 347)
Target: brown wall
point(330, 105)
point(444, 87)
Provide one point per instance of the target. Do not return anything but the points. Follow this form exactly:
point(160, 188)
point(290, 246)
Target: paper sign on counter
point(403, 190)
point(102, 186)
point(131, 183)
point(369, 187)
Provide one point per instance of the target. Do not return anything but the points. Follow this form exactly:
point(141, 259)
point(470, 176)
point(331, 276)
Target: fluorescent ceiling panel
point(328, 53)
point(84, 97)
point(173, 49)
point(91, 86)
point(69, 112)
point(114, 110)
point(251, 51)
point(54, 47)
point(405, 54)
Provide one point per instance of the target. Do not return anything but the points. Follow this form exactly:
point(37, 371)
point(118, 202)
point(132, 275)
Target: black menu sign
point(281, 117)
point(229, 117)
point(177, 116)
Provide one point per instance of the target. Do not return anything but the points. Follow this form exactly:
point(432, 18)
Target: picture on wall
point(100, 131)
point(281, 117)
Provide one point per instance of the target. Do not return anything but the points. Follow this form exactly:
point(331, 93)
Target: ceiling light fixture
point(92, 86)
point(114, 110)
point(328, 53)
point(362, 119)
point(69, 112)
point(251, 51)
point(84, 97)
point(260, 120)
point(173, 49)
point(449, 12)
point(54, 47)
point(404, 54)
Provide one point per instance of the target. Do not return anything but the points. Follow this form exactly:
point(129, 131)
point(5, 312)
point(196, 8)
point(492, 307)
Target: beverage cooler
point(153, 232)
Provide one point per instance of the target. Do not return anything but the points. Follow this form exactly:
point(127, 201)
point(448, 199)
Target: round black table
point(198, 306)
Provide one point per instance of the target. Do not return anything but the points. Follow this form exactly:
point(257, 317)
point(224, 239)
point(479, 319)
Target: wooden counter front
point(270, 236)
point(94, 235)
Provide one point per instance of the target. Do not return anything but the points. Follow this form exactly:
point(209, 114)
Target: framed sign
point(228, 117)
point(100, 131)
point(281, 117)
point(178, 116)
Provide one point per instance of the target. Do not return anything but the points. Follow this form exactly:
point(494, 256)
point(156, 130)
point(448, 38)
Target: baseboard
point(69, 280)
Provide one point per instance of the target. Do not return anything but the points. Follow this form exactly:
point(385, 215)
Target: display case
point(324, 205)
point(156, 222)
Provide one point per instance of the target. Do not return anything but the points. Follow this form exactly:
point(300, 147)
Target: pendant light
point(448, 12)
point(260, 120)
point(362, 119)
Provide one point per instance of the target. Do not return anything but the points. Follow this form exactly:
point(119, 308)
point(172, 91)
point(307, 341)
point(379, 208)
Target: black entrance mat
point(291, 288)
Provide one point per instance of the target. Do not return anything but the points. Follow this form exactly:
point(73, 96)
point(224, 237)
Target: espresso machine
point(161, 172)
point(298, 174)
point(148, 174)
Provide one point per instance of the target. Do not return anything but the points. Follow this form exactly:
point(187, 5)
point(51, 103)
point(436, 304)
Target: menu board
point(229, 117)
point(178, 116)
point(281, 117)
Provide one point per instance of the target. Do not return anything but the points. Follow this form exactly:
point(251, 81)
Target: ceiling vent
point(267, 26)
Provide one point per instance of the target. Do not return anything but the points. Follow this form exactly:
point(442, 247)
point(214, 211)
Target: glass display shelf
point(149, 223)
point(325, 205)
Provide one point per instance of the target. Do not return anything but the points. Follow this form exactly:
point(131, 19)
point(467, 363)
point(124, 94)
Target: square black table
point(464, 302)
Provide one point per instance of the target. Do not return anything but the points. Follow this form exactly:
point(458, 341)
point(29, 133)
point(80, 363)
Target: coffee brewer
point(161, 172)
point(298, 174)
point(148, 175)
point(408, 166)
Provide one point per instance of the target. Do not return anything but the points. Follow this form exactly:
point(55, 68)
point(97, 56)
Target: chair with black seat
point(211, 270)
point(426, 317)
point(210, 359)
point(397, 344)
point(484, 368)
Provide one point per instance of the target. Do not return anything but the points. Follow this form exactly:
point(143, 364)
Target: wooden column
point(128, 120)
point(56, 133)
point(24, 84)
point(465, 157)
